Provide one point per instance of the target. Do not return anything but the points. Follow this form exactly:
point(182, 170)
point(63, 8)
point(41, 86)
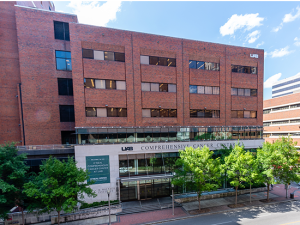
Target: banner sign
point(98, 166)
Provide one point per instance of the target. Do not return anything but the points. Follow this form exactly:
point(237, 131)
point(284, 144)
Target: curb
point(212, 213)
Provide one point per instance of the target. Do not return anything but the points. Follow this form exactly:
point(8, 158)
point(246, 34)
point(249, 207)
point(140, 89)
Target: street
point(276, 214)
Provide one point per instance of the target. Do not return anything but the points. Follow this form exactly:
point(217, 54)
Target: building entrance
point(145, 189)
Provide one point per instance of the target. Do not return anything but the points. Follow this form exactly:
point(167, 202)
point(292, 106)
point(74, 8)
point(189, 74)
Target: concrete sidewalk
point(218, 205)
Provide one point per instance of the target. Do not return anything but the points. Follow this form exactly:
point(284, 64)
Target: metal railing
point(44, 147)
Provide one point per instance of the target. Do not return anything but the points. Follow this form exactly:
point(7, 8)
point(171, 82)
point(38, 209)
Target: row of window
point(243, 114)
point(266, 124)
point(103, 55)
point(104, 84)
point(63, 60)
point(161, 87)
point(106, 112)
point(243, 69)
point(160, 61)
point(265, 135)
point(204, 65)
point(243, 92)
point(203, 113)
point(159, 113)
point(204, 90)
point(267, 111)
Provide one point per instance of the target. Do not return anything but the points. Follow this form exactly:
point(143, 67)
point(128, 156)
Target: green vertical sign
point(98, 166)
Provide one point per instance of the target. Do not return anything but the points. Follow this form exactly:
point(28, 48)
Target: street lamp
point(172, 185)
point(108, 192)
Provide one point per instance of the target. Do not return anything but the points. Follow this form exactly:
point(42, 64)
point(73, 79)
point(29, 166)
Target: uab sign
point(98, 166)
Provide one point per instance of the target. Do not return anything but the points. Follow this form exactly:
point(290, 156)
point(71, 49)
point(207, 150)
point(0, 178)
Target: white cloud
point(288, 18)
point(280, 52)
point(269, 82)
point(236, 22)
point(265, 55)
point(94, 13)
point(297, 41)
point(252, 37)
point(260, 44)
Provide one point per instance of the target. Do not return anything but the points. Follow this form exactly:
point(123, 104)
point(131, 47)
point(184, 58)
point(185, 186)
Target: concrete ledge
point(216, 194)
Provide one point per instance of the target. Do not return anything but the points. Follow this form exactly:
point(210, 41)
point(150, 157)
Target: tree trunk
point(58, 217)
point(236, 195)
point(287, 186)
point(268, 185)
point(23, 221)
point(250, 191)
point(199, 196)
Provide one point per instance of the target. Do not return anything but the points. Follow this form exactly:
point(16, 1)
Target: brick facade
point(31, 62)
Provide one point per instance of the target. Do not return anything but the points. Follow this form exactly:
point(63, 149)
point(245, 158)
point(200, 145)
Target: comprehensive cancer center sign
point(98, 166)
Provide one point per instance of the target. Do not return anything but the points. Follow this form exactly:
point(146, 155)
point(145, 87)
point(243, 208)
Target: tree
point(237, 164)
point(266, 159)
point(286, 161)
point(198, 165)
point(12, 177)
point(252, 171)
point(58, 185)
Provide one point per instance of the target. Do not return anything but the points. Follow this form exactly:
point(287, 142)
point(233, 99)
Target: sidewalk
point(214, 205)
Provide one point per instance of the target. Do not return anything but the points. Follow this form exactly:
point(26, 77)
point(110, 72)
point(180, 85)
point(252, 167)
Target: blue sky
point(272, 26)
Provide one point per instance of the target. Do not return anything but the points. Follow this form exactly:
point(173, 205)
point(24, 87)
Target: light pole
point(172, 198)
point(108, 192)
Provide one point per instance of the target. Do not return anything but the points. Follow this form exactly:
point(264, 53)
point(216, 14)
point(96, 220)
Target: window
point(87, 53)
point(159, 112)
point(104, 84)
point(106, 112)
point(61, 31)
point(266, 111)
point(63, 60)
point(65, 86)
point(154, 87)
point(103, 55)
point(110, 84)
point(243, 114)
point(204, 90)
point(243, 69)
point(193, 89)
point(146, 87)
point(266, 124)
point(204, 65)
point(66, 113)
point(160, 61)
point(203, 113)
point(243, 92)
point(163, 87)
point(172, 87)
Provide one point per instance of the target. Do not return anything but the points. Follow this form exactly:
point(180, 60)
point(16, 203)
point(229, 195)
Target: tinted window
point(153, 60)
point(61, 31)
point(193, 64)
point(110, 84)
point(163, 87)
point(87, 53)
point(66, 113)
point(63, 60)
point(119, 57)
point(201, 65)
point(65, 86)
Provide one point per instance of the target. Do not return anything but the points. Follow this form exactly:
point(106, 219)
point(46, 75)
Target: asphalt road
point(287, 213)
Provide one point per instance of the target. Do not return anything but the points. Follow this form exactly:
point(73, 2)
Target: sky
point(272, 26)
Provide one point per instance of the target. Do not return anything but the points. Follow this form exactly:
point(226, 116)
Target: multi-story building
point(282, 118)
point(128, 100)
point(286, 86)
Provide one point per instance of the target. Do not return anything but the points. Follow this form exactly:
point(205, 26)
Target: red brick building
point(281, 118)
point(30, 78)
point(128, 100)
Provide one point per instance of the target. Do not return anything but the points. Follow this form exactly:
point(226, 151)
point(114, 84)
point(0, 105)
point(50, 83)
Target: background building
point(286, 86)
point(129, 100)
point(282, 117)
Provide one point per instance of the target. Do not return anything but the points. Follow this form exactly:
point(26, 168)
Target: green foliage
point(198, 166)
point(12, 176)
point(238, 165)
point(286, 160)
point(58, 185)
point(85, 205)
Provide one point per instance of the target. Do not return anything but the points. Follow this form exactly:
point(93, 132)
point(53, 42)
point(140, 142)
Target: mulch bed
point(266, 201)
point(195, 212)
point(233, 206)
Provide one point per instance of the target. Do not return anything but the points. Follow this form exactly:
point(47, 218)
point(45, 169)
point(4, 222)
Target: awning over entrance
point(139, 178)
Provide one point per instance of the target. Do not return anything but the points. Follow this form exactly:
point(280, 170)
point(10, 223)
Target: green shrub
point(95, 204)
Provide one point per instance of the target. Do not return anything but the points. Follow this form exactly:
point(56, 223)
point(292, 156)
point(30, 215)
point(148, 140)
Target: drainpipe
point(22, 117)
